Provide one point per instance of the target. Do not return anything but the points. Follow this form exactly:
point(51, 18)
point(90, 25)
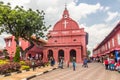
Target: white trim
point(118, 37)
point(113, 44)
point(9, 43)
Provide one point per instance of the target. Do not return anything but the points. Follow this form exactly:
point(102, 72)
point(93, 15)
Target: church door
point(50, 54)
point(72, 55)
point(61, 54)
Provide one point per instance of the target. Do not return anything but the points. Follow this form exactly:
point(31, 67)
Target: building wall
point(110, 43)
point(66, 53)
point(11, 46)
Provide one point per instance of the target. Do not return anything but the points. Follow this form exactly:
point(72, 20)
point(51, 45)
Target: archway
point(61, 54)
point(50, 54)
point(72, 54)
point(29, 55)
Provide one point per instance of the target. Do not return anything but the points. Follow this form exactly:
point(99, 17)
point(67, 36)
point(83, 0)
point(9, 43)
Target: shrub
point(28, 63)
point(25, 67)
point(22, 63)
point(9, 67)
point(2, 62)
point(17, 55)
point(47, 63)
point(15, 66)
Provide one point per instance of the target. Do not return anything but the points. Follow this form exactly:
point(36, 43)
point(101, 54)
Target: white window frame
point(118, 37)
point(109, 44)
point(19, 43)
point(113, 43)
point(9, 43)
point(106, 46)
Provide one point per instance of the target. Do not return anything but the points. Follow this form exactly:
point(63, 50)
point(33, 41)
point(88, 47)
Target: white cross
point(65, 23)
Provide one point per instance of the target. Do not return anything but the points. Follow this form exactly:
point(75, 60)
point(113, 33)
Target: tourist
point(117, 66)
point(61, 62)
point(52, 61)
point(106, 64)
point(112, 65)
point(85, 61)
point(109, 63)
point(33, 64)
point(74, 64)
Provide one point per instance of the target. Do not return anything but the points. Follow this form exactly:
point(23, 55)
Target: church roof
point(66, 23)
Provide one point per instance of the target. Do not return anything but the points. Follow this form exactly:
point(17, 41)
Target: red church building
point(67, 40)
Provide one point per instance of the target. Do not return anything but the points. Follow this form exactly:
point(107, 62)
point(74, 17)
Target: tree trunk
point(17, 41)
point(27, 49)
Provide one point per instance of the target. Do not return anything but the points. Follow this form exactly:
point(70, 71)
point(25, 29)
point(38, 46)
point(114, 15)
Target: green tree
point(88, 52)
point(6, 54)
point(22, 23)
point(17, 54)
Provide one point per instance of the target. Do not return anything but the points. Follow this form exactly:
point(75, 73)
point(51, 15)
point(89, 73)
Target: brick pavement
point(95, 71)
point(26, 74)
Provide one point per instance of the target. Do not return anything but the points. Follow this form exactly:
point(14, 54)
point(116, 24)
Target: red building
point(110, 45)
point(35, 51)
point(66, 39)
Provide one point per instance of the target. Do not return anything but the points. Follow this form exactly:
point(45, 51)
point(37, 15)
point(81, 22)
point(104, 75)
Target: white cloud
point(107, 8)
point(103, 8)
point(76, 1)
point(82, 10)
point(97, 33)
point(111, 16)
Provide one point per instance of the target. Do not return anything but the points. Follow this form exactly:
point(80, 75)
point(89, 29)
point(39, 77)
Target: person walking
point(61, 62)
point(112, 65)
point(106, 64)
point(85, 61)
point(74, 64)
point(33, 64)
point(52, 61)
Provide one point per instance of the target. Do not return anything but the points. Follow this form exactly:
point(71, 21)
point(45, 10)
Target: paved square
point(95, 71)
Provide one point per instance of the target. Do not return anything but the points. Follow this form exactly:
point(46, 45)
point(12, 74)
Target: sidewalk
point(29, 74)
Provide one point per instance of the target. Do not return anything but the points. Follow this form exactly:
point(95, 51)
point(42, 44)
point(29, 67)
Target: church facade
point(66, 40)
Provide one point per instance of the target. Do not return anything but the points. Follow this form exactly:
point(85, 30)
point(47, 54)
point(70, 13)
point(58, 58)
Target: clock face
point(65, 16)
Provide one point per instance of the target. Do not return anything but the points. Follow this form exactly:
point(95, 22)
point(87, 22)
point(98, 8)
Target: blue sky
point(98, 17)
